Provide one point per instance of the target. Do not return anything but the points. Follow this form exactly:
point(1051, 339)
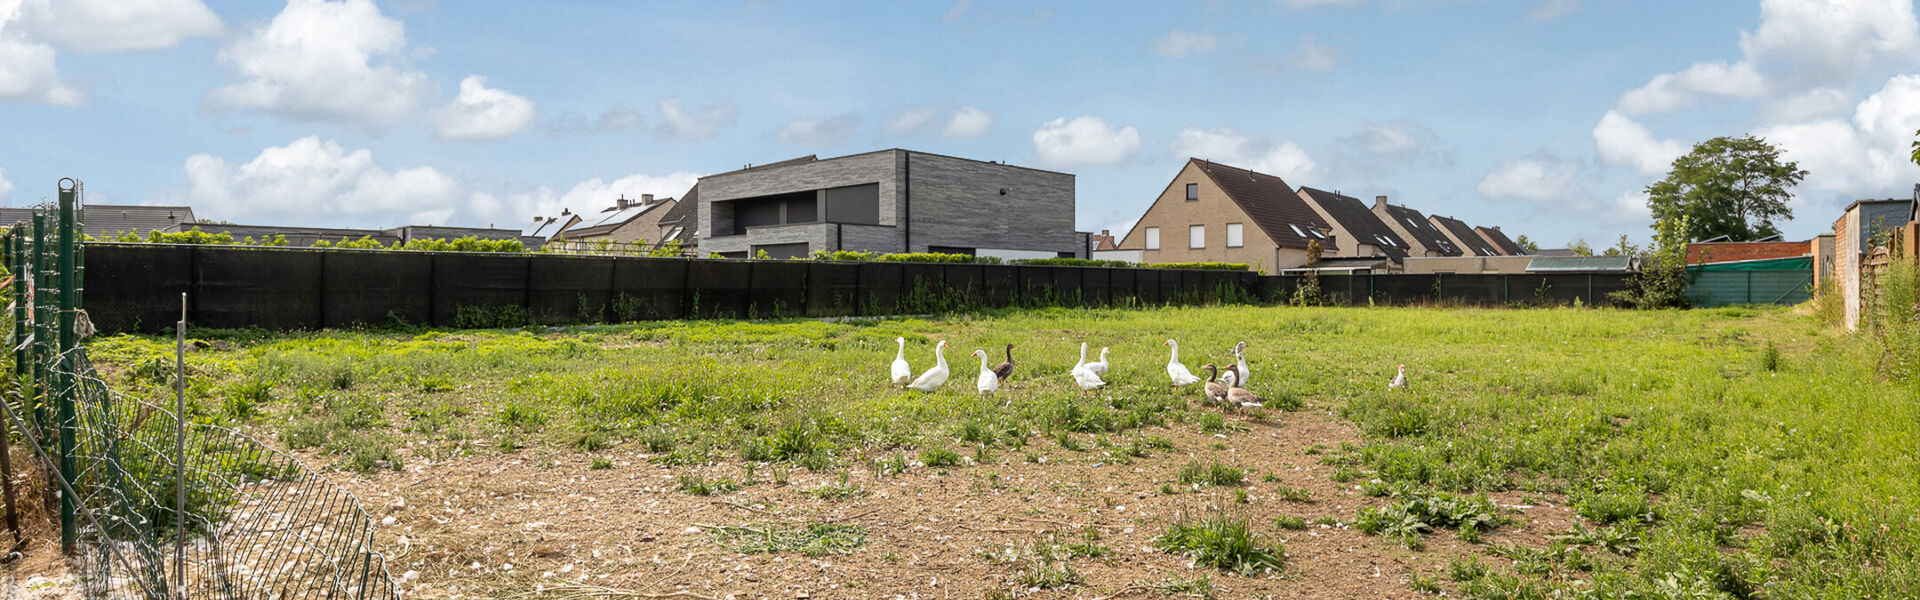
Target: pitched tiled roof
point(616, 217)
point(1422, 232)
point(101, 220)
point(1463, 232)
point(1365, 226)
point(1271, 203)
point(1499, 240)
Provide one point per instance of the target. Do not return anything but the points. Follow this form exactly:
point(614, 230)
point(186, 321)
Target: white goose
point(937, 376)
point(1087, 380)
point(902, 373)
point(1099, 367)
point(1399, 381)
point(988, 381)
point(1176, 371)
point(1243, 377)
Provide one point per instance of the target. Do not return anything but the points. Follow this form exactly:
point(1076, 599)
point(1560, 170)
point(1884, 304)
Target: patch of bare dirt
point(500, 525)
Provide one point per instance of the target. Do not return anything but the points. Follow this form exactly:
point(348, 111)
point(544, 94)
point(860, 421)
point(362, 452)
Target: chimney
point(621, 202)
point(646, 199)
point(1106, 233)
point(1379, 201)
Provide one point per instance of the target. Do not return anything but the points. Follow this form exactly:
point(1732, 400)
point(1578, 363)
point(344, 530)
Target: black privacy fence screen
point(136, 287)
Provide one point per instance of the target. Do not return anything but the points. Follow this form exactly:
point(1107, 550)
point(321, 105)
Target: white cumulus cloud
point(317, 61)
point(685, 126)
point(315, 182)
point(1181, 43)
point(31, 30)
point(1869, 155)
point(1623, 141)
point(310, 181)
point(102, 26)
point(1224, 145)
point(1800, 45)
point(481, 113)
point(967, 122)
point(1539, 180)
point(828, 131)
point(1084, 141)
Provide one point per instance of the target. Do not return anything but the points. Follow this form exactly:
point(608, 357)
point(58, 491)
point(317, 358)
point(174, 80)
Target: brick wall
point(1720, 252)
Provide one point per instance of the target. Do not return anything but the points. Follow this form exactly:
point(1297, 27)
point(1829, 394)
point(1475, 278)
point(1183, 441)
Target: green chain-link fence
point(153, 507)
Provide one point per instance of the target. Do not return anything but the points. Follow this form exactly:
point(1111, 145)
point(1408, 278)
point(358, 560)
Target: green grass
point(1211, 473)
point(1223, 542)
point(1734, 467)
point(810, 539)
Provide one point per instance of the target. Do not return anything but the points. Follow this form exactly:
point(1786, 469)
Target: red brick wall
point(1720, 252)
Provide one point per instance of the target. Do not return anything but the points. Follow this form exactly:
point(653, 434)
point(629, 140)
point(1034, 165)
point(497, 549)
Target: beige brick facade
point(1172, 215)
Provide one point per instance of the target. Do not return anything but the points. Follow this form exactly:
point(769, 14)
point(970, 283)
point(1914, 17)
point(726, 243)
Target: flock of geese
point(1224, 387)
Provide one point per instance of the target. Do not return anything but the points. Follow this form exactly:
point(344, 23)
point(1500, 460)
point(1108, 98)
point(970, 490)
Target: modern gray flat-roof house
point(889, 201)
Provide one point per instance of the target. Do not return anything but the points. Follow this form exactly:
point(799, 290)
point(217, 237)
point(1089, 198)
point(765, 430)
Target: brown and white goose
point(1216, 393)
point(1005, 369)
point(1238, 397)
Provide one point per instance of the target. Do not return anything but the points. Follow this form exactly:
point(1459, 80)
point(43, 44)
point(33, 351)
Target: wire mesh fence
point(156, 506)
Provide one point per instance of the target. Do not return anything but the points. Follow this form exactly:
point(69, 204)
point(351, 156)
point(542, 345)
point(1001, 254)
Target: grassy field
point(1728, 453)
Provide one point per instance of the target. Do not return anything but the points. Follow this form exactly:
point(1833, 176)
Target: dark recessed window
point(857, 204)
point(1193, 191)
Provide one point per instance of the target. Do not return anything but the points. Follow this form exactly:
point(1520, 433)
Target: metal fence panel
point(833, 289)
point(375, 287)
point(880, 284)
point(724, 290)
point(646, 289)
point(779, 288)
point(1000, 284)
point(126, 282)
point(272, 289)
point(477, 283)
point(570, 289)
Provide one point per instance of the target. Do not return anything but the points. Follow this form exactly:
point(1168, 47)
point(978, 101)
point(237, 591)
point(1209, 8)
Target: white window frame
point(1236, 235)
point(1153, 238)
point(1196, 237)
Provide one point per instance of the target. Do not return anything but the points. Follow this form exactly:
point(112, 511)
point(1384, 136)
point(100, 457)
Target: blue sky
point(1545, 117)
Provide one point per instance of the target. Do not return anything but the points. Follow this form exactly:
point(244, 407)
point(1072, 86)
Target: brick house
point(889, 201)
point(1423, 239)
point(626, 221)
point(1359, 232)
point(1462, 235)
point(1499, 240)
point(1212, 212)
point(1854, 235)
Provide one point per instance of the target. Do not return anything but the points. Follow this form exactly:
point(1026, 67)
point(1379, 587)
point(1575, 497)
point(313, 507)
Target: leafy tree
point(1663, 278)
point(1916, 150)
point(1736, 187)
point(1527, 244)
point(1624, 248)
point(1580, 248)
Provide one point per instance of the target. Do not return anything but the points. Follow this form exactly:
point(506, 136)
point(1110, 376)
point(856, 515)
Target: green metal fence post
point(63, 376)
point(36, 260)
point(16, 260)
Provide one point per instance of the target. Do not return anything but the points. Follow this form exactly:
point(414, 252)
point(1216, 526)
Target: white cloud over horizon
point(1084, 141)
point(310, 181)
point(1224, 145)
point(680, 125)
point(480, 113)
point(31, 30)
point(324, 61)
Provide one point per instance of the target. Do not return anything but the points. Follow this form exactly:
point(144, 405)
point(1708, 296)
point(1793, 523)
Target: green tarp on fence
point(1773, 281)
